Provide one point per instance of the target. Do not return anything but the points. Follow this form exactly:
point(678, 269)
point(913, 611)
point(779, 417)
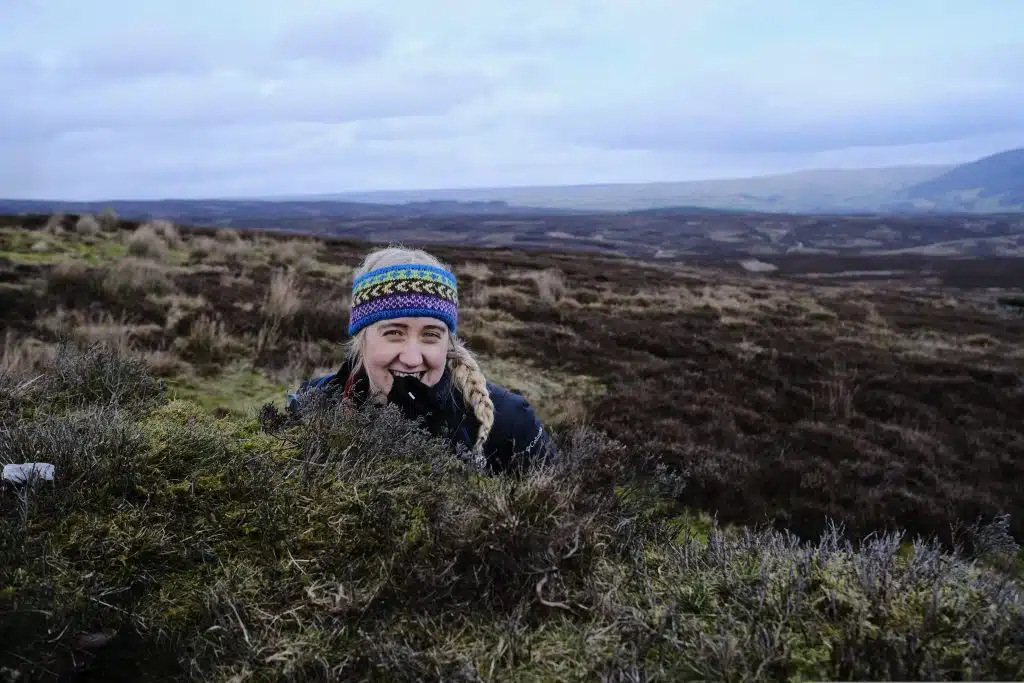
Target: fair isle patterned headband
point(406, 290)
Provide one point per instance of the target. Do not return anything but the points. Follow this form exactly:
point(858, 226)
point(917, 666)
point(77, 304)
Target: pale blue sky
point(115, 99)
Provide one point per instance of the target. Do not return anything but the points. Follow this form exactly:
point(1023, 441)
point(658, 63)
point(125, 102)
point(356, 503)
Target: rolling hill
point(809, 191)
point(993, 183)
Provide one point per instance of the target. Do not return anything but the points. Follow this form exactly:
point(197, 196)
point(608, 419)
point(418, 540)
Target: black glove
point(417, 401)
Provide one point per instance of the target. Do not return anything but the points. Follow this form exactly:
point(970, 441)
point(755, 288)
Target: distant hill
point(813, 191)
point(227, 211)
point(993, 183)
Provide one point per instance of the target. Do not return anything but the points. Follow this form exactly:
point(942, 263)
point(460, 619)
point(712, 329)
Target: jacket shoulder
point(518, 438)
point(315, 383)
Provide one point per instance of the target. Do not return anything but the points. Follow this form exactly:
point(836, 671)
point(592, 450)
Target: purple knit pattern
point(396, 303)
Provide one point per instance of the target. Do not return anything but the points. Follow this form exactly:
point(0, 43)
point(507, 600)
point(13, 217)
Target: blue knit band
point(406, 290)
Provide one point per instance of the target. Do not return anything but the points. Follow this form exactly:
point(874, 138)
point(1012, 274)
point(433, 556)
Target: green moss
point(692, 524)
point(417, 523)
point(29, 257)
point(812, 652)
point(104, 252)
point(239, 390)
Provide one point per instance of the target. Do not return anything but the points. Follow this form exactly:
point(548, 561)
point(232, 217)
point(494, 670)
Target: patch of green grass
point(559, 398)
point(240, 389)
point(94, 250)
point(31, 257)
point(104, 252)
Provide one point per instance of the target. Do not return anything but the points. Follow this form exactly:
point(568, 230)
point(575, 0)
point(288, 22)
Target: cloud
point(338, 38)
point(139, 53)
point(823, 104)
point(228, 99)
point(259, 97)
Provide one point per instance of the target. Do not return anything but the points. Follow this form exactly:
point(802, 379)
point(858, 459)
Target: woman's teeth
point(417, 375)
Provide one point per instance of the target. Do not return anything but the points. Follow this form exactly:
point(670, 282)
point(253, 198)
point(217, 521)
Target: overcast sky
point(199, 98)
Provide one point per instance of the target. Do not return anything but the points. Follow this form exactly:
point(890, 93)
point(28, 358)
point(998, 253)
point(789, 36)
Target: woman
point(403, 350)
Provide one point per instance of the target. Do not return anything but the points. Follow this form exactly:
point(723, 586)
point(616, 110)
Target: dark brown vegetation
point(687, 234)
point(755, 398)
point(877, 405)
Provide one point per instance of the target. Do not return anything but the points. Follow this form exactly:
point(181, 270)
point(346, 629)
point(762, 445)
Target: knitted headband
point(406, 290)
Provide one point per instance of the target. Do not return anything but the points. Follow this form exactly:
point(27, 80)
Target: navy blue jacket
point(517, 440)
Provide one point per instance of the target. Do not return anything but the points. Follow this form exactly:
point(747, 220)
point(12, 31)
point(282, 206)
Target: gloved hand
point(416, 401)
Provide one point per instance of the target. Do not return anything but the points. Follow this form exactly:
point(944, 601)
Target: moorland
point(672, 234)
point(803, 469)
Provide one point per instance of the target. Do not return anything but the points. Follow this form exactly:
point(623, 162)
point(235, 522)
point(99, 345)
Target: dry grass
point(88, 225)
point(488, 329)
point(138, 277)
point(504, 297)
point(284, 298)
point(550, 286)
point(203, 248)
point(107, 330)
point(474, 292)
point(309, 359)
point(229, 236)
point(108, 219)
point(208, 345)
point(55, 225)
point(478, 272)
point(164, 364)
point(298, 253)
point(166, 230)
point(146, 242)
point(23, 356)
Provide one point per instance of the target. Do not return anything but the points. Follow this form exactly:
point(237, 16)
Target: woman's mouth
point(417, 375)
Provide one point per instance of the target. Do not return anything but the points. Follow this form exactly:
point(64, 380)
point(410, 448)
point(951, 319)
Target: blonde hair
point(466, 373)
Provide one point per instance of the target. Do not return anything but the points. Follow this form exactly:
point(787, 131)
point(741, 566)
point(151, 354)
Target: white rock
point(20, 473)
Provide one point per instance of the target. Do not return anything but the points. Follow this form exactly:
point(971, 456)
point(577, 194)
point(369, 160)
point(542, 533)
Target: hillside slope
point(993, 183)
point(800, 191)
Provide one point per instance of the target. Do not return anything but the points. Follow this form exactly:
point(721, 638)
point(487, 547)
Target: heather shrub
point(339, 543)
point(108, 219)
point(146, 242)
point(78, 377)
point(88, 225)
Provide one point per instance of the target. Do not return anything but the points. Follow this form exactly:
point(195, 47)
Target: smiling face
point(412, 346)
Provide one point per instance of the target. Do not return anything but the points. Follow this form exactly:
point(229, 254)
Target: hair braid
point(470, 380)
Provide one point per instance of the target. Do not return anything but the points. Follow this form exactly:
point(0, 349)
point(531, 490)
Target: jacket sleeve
point(292, 401)
point(518, 440)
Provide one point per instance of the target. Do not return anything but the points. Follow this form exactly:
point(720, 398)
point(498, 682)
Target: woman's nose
point(411, 355)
